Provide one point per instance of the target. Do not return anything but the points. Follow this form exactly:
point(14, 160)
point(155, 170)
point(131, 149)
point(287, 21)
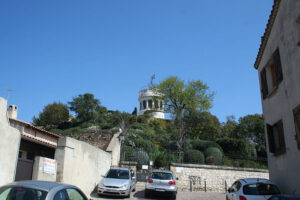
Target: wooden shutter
point(277, 64)
point(264, 84)
point(279, 126)
point(270, 138)
point(296, 112)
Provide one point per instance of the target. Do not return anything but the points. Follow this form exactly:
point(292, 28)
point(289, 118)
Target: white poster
point(179, 169)
point(49, 166)
point(145, 167)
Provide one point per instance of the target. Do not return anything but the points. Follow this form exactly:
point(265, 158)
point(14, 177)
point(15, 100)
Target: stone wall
point(216, 178)
point(81, 164)
point(9, 146)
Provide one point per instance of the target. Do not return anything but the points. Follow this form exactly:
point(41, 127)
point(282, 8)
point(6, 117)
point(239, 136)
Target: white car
point(252, 189)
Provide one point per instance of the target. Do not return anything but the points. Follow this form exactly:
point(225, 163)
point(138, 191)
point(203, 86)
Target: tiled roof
point(36, 128)
point(39, 140)
point(267, 33)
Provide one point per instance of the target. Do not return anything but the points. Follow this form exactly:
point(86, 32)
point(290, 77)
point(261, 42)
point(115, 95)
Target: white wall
point(39, 173)
point(114, 148)
point(80, 164)
point(284, 169)
point(9, 146)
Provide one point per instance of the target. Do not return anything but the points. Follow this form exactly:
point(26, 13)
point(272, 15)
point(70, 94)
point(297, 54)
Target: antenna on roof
point(8, 93)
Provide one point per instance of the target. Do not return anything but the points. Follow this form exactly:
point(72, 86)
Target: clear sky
point(53, 50)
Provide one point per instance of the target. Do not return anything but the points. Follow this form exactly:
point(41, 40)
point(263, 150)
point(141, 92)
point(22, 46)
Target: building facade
point(151, 104)
point(279, 74)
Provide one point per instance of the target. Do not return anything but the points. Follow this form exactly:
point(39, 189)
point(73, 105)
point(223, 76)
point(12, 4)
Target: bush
point(232, 146)
point(142, 158)
point(194, 156)
point(202, 145)
point(213, 156)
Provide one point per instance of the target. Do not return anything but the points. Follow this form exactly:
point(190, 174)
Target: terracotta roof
point(36, 139)
point(36, 128)
point(267, 33)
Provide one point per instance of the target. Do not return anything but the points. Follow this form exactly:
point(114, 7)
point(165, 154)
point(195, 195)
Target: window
point(276, 138)
point(156, 104)
point(75, 194)
point(236, 186)
point(144, 105)
point(61, 195)
point(21, 193)
point(296, 113)
point(260, 189)
point(271, 75)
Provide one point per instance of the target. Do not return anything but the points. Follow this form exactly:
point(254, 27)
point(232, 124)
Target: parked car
point(284, 197)
point(117, 182)
point(40, 190)
point(252, 189)
point(161, 182)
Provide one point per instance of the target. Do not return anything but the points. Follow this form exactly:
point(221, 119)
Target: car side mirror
point(133, 178)
point(230, 190)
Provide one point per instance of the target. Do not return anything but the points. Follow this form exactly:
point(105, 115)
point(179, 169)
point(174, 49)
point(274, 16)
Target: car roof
point(41, 185)
point(121, 168)
point(255, 180)
point(163, 171)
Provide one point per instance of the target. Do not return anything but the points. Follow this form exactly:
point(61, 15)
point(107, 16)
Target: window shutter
point(280, 130)
point(278, 69)
point(270, 138)
point(264, 85)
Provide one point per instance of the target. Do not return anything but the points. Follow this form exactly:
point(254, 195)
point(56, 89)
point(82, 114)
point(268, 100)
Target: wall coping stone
point(128, 163)
point(218, 167)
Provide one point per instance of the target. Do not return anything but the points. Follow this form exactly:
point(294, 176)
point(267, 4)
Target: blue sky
point(54, 50)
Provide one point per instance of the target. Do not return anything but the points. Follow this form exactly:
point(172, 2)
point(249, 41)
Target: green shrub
point(202, 145)
point(214, 156)
point(142, 158)
point(194, 156)
point(232, 146)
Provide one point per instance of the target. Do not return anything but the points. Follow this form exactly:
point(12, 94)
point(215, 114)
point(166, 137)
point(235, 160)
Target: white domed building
point(150, 105)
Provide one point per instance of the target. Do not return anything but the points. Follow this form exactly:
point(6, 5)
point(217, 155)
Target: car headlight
point(124, 186)
point(100, 184)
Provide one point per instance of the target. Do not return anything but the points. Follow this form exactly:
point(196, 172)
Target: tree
point(85, 106)
point(52, 116)
point(203, 125)
point(183, 98)
point(228, 129)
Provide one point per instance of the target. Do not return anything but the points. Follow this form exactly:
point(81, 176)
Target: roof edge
point(265, 37)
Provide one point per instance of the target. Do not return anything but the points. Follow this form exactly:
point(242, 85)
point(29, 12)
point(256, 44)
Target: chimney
point(12, 111)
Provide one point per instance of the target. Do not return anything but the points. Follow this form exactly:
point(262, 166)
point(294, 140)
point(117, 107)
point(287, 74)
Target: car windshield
point(260, 189)
point(162, 176)
point(118, 173)
point(21, 193)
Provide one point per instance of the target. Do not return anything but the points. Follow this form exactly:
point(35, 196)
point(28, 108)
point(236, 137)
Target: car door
point(234, 190)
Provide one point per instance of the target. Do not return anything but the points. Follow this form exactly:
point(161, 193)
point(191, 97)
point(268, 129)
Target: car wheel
point(133, 189)
point(128, 196)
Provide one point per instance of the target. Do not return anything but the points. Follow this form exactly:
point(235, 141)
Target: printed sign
point(179, 169)
point(49, 166)
point(145, 167)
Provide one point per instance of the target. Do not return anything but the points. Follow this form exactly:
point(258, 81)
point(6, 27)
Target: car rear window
point(261, 189)
point(21, 193)
point(162, 176)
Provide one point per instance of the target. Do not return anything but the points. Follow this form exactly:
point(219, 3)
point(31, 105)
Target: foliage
point(142, 158)
point(244, 163)
point(202, 145)
point(194, 156)
point(235, 147)
point(134, 112)
point(203, 125)
point(228, 129)
point(85, 106)
point(52, 116)
point(214, 156)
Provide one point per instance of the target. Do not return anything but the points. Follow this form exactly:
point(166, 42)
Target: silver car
point(40, 190)
point(161, 182)
point(117, 182)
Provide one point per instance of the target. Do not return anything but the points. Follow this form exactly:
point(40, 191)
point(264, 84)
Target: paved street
point(182, 195)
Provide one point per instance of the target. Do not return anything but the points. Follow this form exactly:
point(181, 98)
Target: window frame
point(281, 149)
point(271, 75)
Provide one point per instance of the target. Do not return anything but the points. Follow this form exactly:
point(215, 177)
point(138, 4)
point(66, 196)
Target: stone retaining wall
point(215, 178)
